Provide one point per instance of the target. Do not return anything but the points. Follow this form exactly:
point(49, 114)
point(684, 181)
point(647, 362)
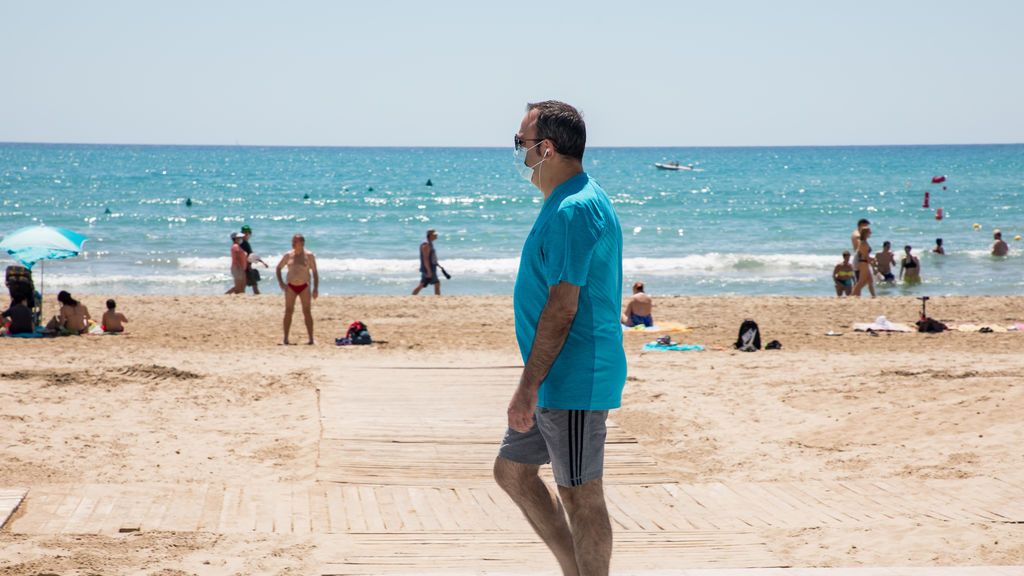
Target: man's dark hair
point(111, 304)
point(563, 125)
point(863, 222)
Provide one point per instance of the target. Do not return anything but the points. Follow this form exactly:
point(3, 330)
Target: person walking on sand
point(842, 276)
point(567, 302)
point(301, 266)
point(428, 265)
point(884, 262)
point(252, 275)
point(864, 276)
point(238, 264)
point(855, 242)
point(999, 246)
point(910, 267)
point(638, 311)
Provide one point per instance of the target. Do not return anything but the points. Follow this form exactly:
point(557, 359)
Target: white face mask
point(524, 169)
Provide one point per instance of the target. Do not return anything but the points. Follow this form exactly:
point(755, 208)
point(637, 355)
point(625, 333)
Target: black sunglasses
point(519, 141)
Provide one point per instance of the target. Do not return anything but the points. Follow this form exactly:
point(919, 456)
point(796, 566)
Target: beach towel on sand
point(673, 347)
point(25, 335)
point(978, 327)
point(663, 327)
point(881, 324)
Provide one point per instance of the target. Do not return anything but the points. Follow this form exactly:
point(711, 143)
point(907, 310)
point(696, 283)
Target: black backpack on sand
point(749, 338)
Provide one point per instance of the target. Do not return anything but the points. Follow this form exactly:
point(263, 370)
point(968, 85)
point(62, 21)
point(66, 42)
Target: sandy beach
point(199, 392)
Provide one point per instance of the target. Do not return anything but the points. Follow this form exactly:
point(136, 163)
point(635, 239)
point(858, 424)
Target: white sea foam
point(697, 264)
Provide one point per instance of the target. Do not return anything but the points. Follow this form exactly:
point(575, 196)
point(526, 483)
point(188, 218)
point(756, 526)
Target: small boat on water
point(672, 166)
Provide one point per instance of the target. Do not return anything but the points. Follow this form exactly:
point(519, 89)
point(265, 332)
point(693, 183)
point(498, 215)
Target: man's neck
point(551, 177)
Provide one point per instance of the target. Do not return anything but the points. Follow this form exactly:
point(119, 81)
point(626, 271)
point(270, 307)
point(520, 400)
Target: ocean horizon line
point(500, 147)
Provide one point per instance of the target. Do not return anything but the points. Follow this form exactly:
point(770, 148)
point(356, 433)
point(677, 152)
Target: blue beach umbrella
point(34, 243)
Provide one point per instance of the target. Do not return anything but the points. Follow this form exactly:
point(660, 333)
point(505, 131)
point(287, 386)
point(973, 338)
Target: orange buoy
point(926, 196)
point(938, 214)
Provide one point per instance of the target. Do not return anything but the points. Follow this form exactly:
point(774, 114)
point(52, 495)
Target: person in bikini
point(842, 275)
point(864, 263)
point(910, 267)
point(301, 266)
point(638, 311)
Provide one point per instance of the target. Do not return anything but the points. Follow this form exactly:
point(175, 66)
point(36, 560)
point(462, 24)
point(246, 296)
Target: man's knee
point(585, 497)
point(513, 477)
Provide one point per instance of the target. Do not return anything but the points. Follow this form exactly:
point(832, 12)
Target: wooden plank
point(353, 509)
point(319, 518)
point(10, 500)
point(424, 512)
point(280, 496)
point(301, 523)
point(336, 508)
point(62, 514)
point(371, 509)
point(388, 511)
point(39, 507)
point(213, 504)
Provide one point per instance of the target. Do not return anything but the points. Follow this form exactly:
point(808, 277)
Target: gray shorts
point(571, 440)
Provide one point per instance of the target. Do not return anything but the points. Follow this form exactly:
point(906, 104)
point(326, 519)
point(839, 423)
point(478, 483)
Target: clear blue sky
point(457, 73)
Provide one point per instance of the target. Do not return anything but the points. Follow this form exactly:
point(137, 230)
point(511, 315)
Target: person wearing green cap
point(252, 275)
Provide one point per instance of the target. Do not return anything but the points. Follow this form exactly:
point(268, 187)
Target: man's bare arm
point(315, 273)
point(425, 260)
point(280, 266)
point(552, 330)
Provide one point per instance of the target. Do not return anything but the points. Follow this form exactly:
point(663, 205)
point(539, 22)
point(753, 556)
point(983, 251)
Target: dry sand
point(199, 390)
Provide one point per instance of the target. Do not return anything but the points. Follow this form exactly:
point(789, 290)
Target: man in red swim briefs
point(301, 266)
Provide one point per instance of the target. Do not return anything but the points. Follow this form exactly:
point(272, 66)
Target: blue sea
point(743, 221)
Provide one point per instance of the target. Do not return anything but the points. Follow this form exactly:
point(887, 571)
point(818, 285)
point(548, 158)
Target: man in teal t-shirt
point(568, 297)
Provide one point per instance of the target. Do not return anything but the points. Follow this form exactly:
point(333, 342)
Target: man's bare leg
point(417, 289)
point(289, 309)
point(591, 528)
point(541, 507)
point(307, 311)
point(437, 288)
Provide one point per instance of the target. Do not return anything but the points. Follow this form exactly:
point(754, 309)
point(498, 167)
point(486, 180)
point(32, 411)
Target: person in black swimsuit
point(910, 267)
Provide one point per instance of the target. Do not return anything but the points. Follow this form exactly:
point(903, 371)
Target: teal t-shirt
point(577, 239)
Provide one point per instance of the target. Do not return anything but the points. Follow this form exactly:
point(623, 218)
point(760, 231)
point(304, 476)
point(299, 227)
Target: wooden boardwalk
point(404, 486)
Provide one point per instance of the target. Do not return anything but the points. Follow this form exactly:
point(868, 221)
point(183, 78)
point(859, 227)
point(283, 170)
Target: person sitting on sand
point(910, 267)
point(638, 311)
point(884, 262)
point(938, 247)
point(113, 321)
point(73, 317)
point(301, 266)
point(20, 316)
point(842, 275)
point(999, 247)
point(864, 262)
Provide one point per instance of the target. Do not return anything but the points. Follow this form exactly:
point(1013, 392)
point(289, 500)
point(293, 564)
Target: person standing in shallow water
point(252, 276)
point(910, 267)
point(428, 265)
point(302, 272)
point(567, 303)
